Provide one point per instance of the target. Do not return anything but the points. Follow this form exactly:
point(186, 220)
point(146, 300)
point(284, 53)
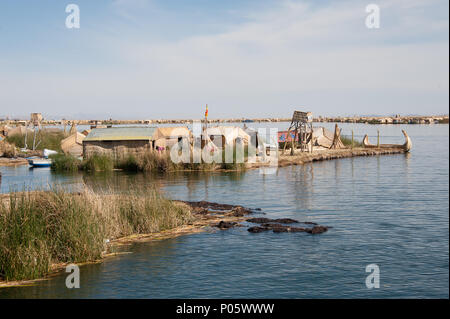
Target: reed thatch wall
point(116, 148)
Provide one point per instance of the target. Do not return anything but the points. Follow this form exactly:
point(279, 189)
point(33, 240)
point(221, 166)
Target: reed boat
point(406, 146)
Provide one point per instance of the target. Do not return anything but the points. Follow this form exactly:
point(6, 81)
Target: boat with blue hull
point(39, 162)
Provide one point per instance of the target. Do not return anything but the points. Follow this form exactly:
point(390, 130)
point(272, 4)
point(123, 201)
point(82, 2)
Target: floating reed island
point(43, 231)
point(324, 146)
point(149, 149)
point(333, 146)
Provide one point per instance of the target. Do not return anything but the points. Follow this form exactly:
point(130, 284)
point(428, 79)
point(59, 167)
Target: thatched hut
point(226, 135)
point(165, 137)
point(73, 144)
point(118, 141)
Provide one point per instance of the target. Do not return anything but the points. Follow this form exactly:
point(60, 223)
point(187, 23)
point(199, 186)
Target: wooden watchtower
point(301, 126)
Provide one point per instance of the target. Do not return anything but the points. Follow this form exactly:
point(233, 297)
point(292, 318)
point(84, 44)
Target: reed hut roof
point(68, 142)
point(121, 134)
point(230, 133)
point(171, 132)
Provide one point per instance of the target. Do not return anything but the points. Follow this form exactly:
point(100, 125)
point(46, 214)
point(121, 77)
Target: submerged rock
point(240, 211)
point(225, 225)
point(309, 223)
point(211, 205)
point(261, 220)
point(286, 229)
point(257, 229)
point(210, 210)
point(267, 224)
point(205, 208)
point(285, 221)
point(201, 211)
point(317, 230)
point(278, 228)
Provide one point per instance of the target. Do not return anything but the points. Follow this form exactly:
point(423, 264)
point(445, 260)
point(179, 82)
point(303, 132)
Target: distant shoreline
point(432, 119)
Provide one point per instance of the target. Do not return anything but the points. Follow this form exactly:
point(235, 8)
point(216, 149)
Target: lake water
point(390, 210)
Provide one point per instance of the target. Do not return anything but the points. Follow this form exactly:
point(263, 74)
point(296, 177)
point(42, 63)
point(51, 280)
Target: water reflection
point(18, 178)
point(191, 181)
point(303, 187)
point(352, 162)
point(337, 171)
point(392, 210)
point(152, 261)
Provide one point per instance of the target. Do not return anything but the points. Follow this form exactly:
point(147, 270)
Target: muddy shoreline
point(5, 161)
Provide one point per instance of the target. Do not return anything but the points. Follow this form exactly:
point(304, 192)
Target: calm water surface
point(390, 210)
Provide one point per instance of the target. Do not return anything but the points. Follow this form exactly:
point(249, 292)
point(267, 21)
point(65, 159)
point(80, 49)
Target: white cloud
point(295, 54)
point(297, 48)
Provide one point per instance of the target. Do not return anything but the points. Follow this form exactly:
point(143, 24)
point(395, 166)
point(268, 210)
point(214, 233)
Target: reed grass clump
point(143, 211)
point(43, 228)
point(98, 162)
point(238, 157)
point(149, 161)
point(161, 162)
point(347, 141)
point(65, 163)
point(128, 163)
point(49, 140)
point(7, 149)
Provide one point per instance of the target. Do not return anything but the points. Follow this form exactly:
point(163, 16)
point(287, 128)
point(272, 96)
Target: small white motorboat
point(39, 162)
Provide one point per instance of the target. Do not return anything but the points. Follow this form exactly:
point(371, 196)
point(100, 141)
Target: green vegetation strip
point(43, 140)
point(347, 141)
point(43, 228)
point(149, 161)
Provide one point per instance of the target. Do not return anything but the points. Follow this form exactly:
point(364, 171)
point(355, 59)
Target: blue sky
point(246, 58)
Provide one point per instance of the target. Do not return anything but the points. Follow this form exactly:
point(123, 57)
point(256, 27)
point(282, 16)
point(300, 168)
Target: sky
point(167, 59)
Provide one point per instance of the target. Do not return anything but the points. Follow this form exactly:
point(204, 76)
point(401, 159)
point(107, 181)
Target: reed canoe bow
point(406, 146)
